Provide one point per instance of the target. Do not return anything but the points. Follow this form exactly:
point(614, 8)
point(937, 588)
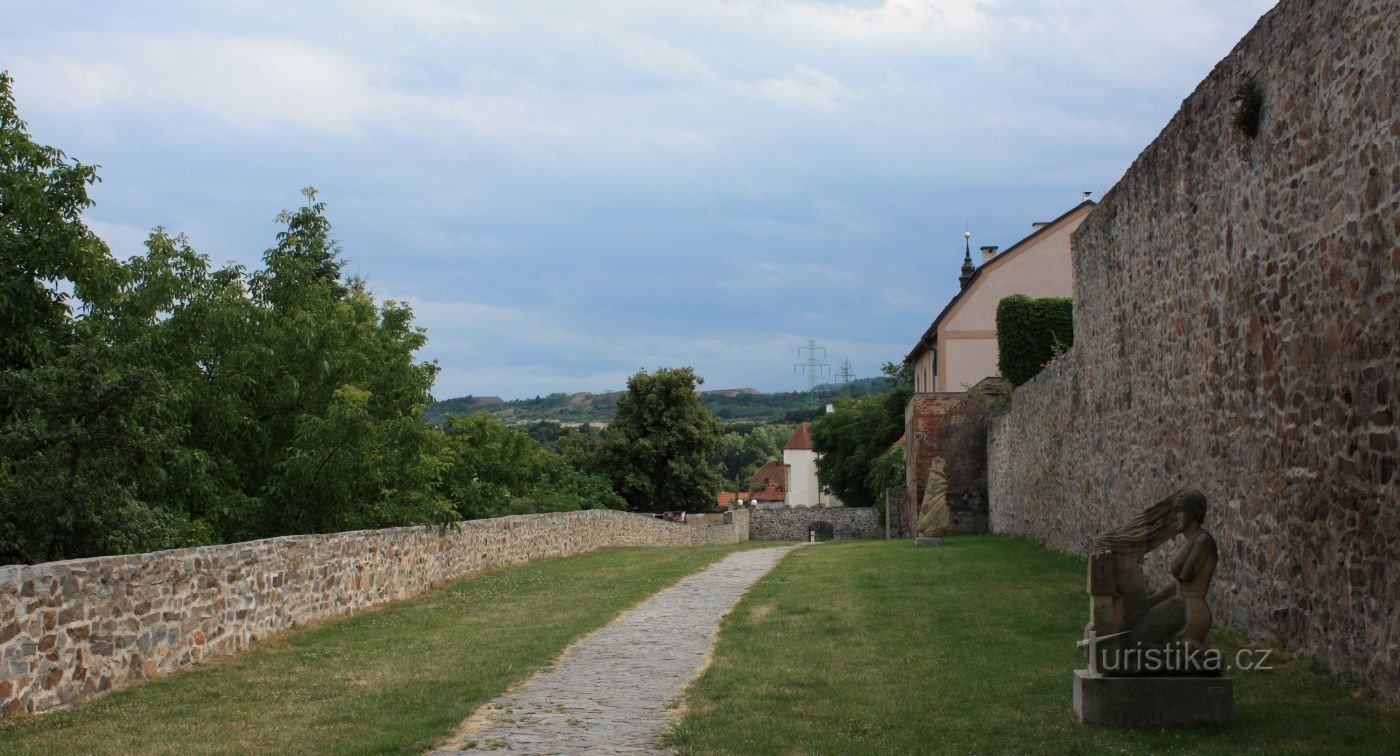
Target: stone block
point(1152, 701)
point(928, 541)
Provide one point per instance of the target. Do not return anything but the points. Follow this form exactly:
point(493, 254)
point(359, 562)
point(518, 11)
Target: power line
point(815, 365)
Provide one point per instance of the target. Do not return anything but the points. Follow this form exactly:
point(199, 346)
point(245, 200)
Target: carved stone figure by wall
point(1153, 643)
point(933, 511)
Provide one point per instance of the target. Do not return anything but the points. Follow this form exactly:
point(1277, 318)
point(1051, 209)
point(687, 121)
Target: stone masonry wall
point(791, 523)
point(1235, 330)
point(69, 630)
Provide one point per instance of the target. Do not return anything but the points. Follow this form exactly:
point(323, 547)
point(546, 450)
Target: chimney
point(988, 253)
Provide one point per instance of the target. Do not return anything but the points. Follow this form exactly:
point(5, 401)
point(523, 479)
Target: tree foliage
point(1032, 332)
point(497, 471)
point(742, 449)
point(849, 440)
point(163, 402)
point(660, 442)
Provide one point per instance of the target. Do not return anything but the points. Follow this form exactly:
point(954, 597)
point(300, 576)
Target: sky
point(567, 192)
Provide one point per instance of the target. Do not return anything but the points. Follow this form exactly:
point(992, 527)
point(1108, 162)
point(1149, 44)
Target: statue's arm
point(1162, 595)
point(1196, 556)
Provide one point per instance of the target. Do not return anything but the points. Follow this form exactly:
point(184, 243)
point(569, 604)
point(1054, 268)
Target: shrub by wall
point(1032, 331)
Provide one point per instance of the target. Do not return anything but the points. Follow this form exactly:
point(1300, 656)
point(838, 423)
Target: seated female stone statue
point(1179, 612)
point(1165, 632)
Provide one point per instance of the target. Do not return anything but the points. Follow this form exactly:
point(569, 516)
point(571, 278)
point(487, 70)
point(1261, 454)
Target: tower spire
point(967, 267)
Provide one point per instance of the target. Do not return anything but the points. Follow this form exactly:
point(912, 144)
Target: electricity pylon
point(815, 366)
point(846, 375)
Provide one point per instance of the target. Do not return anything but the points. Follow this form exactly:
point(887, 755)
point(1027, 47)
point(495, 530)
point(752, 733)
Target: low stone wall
point(1235, 308)
point(792, 523)
point(69, 630)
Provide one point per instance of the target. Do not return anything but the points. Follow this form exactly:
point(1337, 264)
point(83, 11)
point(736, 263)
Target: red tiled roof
point(726, 498)
point(773, 472)
point(801, 438)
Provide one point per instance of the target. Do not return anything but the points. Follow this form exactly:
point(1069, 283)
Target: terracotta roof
point(931, 334)
point(772, 471)
point(726, 498)
point(801, 438)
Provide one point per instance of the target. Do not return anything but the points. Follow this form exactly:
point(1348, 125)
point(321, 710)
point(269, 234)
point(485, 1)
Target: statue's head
point(1192, 504)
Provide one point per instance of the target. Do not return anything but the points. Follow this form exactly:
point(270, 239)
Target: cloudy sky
point(569, 191)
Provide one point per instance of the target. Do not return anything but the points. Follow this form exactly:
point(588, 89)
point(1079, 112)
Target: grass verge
point(391, 680)
point(881, 647)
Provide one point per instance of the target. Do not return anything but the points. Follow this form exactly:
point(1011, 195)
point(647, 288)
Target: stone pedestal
point(1152, 701)
point(927, 541)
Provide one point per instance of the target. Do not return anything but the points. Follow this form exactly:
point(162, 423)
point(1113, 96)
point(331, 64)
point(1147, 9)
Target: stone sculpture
point(1160, 636)
point(934, 516)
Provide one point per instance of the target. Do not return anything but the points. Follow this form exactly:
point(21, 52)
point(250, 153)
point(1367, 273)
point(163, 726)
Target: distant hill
point(739, 404)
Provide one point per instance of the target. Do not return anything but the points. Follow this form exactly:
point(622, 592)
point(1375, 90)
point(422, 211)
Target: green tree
point(43, 241)
point(177, 403)
point(886, 472)
point(87, 427)
point(327, 434)
point(744, 448)
point(851, 439)
point(660, 442)
point(496, 470)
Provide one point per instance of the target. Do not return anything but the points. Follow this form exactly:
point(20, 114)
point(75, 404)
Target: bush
point(1031, 333)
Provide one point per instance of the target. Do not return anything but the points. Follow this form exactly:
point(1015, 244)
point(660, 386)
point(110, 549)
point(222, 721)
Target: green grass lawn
point(393, 680)
point(880, 647)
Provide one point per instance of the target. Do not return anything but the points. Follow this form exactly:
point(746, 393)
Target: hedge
point(1031, 333)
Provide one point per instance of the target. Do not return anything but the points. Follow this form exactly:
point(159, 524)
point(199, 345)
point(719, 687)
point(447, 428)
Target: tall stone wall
point(1235, 330)
point(69, 630)
point(792, 523)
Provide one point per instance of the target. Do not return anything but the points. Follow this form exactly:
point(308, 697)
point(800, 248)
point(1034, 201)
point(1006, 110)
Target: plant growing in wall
point(1249, 103)
point(1031, 333)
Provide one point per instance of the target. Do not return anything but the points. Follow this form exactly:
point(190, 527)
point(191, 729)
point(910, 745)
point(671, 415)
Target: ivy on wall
point(1031, 333)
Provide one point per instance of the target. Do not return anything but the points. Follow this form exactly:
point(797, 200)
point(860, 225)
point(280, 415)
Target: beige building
point(960, 348)
point(801, 461)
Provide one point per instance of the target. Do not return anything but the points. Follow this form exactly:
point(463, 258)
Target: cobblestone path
point(609, 692)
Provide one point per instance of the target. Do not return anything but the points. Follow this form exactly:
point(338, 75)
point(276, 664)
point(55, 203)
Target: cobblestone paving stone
point(609, 692)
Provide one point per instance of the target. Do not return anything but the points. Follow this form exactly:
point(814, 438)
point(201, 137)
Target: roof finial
point(967, 267)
